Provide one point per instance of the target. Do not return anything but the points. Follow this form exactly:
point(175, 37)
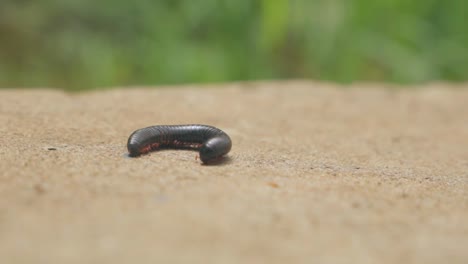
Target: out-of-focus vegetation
point(80, 44)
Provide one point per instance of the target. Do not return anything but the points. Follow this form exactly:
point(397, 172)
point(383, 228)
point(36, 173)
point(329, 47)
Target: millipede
point(211, 142)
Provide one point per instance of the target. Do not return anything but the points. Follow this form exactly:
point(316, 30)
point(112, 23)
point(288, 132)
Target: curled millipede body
point(211, 142)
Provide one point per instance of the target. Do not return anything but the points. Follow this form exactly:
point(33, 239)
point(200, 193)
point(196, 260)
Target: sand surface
point(317, 174)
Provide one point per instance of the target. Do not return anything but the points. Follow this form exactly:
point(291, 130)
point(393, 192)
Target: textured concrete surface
point(317, 173)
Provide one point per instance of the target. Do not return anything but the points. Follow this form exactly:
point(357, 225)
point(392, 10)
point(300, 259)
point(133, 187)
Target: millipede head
point(207, 154)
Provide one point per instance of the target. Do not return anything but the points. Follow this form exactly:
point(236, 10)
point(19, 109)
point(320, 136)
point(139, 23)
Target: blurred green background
point(84, 44)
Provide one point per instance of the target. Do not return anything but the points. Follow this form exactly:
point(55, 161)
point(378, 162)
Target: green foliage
point(83, 44)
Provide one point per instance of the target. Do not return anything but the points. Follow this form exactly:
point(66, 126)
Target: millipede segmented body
point(211, 142)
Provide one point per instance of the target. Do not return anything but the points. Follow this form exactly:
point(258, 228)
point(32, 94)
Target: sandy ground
point(317, 173)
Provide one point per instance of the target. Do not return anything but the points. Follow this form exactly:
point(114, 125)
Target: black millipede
point(211, 142)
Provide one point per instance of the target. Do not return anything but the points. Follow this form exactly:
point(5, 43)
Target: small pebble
point(273, 184)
